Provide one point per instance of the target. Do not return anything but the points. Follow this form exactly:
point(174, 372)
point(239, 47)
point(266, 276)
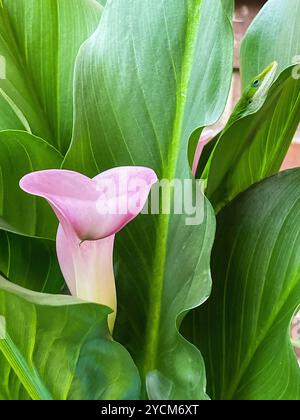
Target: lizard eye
point(256, 83)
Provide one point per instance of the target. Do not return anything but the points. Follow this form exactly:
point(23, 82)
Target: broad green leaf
point(273, 35)
point(190, 80)
point(19, 212)
point(63, 353)
point(243, 330)
point(39, 40)
point(144, 82)
point(255, 146)
point(30, 263)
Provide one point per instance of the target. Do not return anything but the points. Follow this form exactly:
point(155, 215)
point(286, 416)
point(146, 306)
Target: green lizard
point(251, 101)
point(255, 94)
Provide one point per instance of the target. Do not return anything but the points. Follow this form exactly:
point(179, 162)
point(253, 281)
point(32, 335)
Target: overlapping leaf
point(243, 330)
point(64, 353)
point(8, 118)
point(273, 35)
point(255, 146)
point(30, 263)
point(39, 40)
point(19, 212)
point(229, 7)
point(145, 81)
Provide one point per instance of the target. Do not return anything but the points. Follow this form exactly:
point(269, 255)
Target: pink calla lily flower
point(204, 139)
point(91, 212)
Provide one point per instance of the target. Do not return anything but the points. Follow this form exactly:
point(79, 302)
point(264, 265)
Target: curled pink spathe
point(91, 212)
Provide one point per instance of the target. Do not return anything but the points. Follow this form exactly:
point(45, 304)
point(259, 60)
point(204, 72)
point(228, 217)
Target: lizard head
point(255, 94)
point(260, 85)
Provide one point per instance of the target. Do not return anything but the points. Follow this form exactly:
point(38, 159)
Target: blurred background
point(245, 12)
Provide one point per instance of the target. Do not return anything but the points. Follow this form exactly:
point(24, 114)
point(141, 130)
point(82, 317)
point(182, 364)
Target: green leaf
point(39, 40)
point(255, 146)
point(8, 118)
point(279, 21)
point(19, 212)
point(18, 262)
point(151, 125)
point(64, 353)
point(144, 82)
point(228, 7)
point(244, 329)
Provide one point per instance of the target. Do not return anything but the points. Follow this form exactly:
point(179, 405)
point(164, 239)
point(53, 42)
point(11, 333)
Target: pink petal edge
point(204, 139)
point(78, 200)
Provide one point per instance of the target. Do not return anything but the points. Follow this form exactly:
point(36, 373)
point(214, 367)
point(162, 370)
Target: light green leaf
point(19, 212)
point(30, 263)
point(273, 35)
point(255, 146)
point(39, 40)
point(64, 353)
point(145, 81)
point(244, 329)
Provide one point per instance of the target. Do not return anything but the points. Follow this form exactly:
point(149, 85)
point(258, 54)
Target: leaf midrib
point(160, 257)
point(27, 376)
